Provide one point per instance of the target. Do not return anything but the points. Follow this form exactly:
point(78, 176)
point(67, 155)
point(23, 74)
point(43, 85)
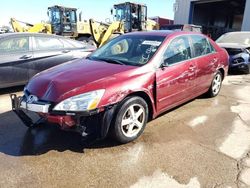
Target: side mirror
point(165, 63)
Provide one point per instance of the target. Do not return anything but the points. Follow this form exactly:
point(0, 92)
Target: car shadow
point(11, 90)
point(235, 73)
point(18, 140)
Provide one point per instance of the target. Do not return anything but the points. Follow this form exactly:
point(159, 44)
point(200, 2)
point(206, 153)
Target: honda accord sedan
point(237, 45)
point(22, 55)
point(124, 84)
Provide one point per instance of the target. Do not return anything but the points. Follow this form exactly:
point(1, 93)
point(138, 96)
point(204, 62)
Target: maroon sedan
point(130, 80)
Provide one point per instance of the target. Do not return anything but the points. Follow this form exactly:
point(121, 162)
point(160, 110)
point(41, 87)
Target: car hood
point(233, 45)
point(73, 77)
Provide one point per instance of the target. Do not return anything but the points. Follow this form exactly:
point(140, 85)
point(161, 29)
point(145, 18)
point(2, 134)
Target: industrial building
point(215, 16)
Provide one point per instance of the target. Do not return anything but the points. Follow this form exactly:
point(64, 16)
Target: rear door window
point(14, 45)
point(178, 50)
point(201, 46)
point(47, 43)
point(68, 43)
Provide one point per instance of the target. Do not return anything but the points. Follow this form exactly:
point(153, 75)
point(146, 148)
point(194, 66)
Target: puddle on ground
point(160, 179)
point(133, 155)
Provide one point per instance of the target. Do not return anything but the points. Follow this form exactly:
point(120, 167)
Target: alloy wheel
point(133, 120)
point(216, 84)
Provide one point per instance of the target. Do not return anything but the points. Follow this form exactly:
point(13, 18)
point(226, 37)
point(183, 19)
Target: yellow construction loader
point(128, 17)
point(20, 26)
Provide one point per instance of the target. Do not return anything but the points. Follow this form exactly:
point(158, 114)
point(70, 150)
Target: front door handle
point(25, 57)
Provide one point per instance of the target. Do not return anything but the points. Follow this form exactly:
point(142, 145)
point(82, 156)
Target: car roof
point(164, 33)
point(28, 34)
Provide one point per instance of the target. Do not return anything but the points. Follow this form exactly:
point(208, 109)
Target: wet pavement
point(203, 143)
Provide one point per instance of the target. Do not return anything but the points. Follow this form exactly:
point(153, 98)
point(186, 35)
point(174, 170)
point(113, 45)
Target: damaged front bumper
point(96, 121)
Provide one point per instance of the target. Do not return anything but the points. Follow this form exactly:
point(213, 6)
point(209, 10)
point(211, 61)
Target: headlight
point(82, 102)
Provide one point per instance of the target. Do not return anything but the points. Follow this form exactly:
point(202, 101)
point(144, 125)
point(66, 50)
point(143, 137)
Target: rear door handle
point(25, 57)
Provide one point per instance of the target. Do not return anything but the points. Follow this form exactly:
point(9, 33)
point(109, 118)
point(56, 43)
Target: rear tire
point(215, 85)
point(247, 71)
point(130, 120)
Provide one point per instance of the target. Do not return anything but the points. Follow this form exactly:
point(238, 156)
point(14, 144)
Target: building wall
point(246, 20)
point(182, 13)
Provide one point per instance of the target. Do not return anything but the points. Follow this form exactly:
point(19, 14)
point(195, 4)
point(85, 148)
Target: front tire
point(130, 119)
point(215, 85)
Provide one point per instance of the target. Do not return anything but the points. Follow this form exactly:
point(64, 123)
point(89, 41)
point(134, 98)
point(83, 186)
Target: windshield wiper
point(115, 61)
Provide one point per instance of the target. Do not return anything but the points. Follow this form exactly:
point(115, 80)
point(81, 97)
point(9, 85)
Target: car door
point(15, 58)
point(206, 59)
point(48, 52)
point(77, 49)
point(175, 80)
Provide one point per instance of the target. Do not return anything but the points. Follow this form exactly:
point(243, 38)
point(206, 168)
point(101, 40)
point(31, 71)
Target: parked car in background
point(131, 79)
point(182, 27)
point(22, 55)
point(237, 45)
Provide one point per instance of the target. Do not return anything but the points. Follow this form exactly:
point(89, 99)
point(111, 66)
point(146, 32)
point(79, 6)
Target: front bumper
point(96, 121)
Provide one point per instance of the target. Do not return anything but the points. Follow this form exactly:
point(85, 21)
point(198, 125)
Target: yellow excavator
point(35, 28)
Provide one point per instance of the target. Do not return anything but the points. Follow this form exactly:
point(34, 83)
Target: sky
point(35, 11)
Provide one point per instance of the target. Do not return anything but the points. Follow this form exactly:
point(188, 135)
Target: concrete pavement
point(203, 143)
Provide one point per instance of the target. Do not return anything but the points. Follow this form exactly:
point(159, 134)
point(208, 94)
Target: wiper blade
point(115, 61)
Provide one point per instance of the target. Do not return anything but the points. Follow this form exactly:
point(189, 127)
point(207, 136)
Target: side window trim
point(182, 61)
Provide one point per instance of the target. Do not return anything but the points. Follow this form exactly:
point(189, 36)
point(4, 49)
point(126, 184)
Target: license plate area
point(34, 107)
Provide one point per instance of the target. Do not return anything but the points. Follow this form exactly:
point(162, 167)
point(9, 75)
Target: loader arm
point(102, 36)
point(36, 28)
point(16, 26)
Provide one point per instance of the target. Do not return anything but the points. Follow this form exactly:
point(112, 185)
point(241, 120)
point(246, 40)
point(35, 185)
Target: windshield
point(69, 16)
point(238, 38)
point(121, 12)
point(54, 16)
point(135, 50)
